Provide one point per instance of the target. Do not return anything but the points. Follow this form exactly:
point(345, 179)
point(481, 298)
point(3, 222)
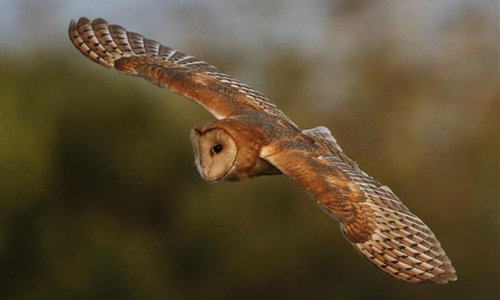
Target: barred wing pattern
point(371, 216)
point(401, 244)
point(113, 46)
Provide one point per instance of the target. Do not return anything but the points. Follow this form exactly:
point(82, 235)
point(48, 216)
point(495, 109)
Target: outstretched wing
point(371, 216)
point(114, 47)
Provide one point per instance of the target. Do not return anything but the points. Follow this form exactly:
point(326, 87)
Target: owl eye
point(217, 148)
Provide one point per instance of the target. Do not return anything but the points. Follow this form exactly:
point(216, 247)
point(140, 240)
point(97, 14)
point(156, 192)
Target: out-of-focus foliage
point(99, 198)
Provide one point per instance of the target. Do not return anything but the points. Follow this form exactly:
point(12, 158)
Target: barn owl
point(252, 137)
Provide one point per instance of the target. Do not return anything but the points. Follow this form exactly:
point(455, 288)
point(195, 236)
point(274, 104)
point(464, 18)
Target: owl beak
point(207, 174)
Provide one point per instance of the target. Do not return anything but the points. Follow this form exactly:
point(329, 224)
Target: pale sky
point(238, 23)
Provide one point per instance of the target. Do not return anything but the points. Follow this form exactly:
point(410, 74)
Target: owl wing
point(371, 216)
point(114, 47)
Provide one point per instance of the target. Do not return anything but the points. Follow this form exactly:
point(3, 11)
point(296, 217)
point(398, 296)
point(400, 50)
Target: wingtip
point(71, 29)
point(449, 276)
point(83, 20)
point(99, 20)
point(72, 25)
point(445, 280)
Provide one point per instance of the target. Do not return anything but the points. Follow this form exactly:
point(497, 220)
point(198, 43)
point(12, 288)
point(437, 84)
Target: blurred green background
point(99, 198)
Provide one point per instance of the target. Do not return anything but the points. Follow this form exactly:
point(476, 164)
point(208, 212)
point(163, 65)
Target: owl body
point(252, 137)
point(241, 140)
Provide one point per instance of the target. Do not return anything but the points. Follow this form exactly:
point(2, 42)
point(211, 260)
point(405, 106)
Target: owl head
point(215, 152)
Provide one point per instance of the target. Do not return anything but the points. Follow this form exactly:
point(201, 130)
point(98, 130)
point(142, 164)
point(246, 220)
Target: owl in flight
point(252, 137)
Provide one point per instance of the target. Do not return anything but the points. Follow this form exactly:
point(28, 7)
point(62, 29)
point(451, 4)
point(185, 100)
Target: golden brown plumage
point(252, 137)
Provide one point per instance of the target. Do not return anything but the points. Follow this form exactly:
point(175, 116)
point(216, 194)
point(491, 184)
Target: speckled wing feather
point(113, 46)
point(371, 216)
